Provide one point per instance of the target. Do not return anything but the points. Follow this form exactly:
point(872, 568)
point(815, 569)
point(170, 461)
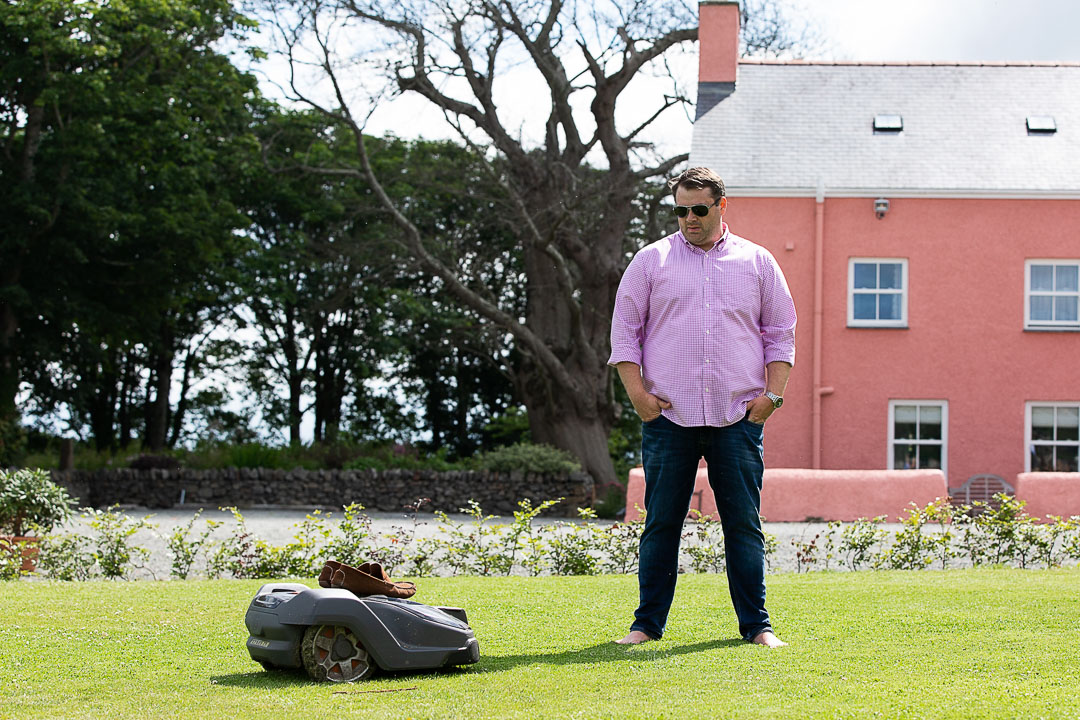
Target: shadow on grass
point(265, 679)
point(603, 652)
point(274, 679)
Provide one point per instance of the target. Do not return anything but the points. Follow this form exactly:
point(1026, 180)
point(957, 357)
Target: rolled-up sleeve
point(631, 314)
point(778, 318)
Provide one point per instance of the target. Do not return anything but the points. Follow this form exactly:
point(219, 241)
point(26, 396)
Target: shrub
point(705, 544)
point(242, 555)
point(354, 539)
point(31, 502)
point(860, 538)
point(571, 546)
point(619, 545)
point(115, 553)
point(912, 549)
point(66, 556)
point(526, 457)
point(183, 550)
point(395, 457)
point(153, 462)
point(11, 558)
point(477, 546)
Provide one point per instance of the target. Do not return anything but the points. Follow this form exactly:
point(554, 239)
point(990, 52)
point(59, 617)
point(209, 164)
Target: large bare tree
point(574, 185)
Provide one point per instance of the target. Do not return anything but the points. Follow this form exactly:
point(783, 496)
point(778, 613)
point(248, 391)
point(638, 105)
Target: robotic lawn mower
point(337, 635)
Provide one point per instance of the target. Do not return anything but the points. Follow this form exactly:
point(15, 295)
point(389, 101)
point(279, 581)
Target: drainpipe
point(819, 292)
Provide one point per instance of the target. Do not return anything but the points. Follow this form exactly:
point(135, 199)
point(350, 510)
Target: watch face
point(778, 402)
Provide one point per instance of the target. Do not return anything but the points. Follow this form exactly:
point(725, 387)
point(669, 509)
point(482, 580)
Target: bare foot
point(636, 637)
point(768, 640)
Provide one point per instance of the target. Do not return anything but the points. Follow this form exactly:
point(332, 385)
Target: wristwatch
point(777, 400)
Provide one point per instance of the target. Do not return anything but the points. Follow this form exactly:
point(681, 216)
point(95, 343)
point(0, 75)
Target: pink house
point(927, 217)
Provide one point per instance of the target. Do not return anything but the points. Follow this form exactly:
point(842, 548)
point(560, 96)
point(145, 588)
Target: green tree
point(124, 133)
point(336, 303)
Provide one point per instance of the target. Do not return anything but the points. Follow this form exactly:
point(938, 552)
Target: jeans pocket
point(751, 423)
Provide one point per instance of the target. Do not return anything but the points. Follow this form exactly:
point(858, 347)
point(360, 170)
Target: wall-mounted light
point(881, 206)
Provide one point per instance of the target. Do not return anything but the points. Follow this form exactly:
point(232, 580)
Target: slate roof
point(790, 125)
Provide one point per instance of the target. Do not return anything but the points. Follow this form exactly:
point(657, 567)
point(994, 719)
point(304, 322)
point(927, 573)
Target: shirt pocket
point(740, 294)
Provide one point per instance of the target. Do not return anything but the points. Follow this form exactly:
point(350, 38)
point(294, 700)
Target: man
point(703, 336)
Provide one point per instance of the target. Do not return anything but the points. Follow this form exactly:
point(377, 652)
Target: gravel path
point(279, 526)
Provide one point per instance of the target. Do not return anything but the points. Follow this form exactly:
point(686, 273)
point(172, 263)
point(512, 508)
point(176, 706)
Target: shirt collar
point(718, 243)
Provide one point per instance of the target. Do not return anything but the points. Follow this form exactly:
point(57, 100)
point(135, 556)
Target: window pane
point(904, 419)
point(889, 306)
point(1068, 423)
point(1042, 307)
point(1065, 309)
point(906, 413)
point(930, 430)
point(1042, 423)
point(1067, 459)
point(866, 306)
point(1066, 277)
point(929, 456)
point(1043, 459)
point(890, 276)
point(904, 457)
point(866, 275)
point(1042, 277)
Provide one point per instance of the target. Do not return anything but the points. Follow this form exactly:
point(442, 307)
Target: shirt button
point(707, 306)
point(706, 389)
point(706, 332)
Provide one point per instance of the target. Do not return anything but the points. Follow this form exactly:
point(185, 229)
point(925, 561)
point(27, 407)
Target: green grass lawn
point(972, 643)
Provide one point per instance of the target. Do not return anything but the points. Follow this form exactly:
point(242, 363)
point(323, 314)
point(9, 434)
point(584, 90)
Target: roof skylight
point(1041, 125)
point(888, 123)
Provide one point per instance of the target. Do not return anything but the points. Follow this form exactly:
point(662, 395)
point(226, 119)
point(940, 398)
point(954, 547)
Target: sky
point(949, 30)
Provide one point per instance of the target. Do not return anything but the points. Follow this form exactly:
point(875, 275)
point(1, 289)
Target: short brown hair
point(696, 178)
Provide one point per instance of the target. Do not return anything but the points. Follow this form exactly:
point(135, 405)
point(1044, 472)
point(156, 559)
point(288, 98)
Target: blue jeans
point(670, 454)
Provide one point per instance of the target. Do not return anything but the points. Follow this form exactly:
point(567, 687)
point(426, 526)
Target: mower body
point(396, 634)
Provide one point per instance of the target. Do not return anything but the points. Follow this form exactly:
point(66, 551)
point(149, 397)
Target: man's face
point(701, 231)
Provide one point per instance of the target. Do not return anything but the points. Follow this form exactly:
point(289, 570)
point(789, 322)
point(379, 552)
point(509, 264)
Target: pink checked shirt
point(703, 325)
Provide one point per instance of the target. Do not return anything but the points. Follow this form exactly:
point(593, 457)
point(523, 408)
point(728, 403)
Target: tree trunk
point(182, 403)
point(322, 372)
point(129, 387)
point(158, 419)
point(103, 408)
point(9, 361)
point(576, 329)
point(577, 419)
point(585, 437)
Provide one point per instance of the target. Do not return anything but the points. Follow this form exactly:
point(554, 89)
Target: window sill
point(877, 327)
point(1036, 329)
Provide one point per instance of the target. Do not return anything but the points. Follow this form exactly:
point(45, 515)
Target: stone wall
point(386, 490)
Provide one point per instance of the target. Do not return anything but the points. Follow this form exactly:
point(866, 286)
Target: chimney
point(718, 51)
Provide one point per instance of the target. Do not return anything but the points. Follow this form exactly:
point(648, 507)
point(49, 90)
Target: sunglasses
point(699, 210)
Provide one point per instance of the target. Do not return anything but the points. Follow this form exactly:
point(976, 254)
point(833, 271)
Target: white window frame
point(1048, 324)
point(902, 322)
point(1029, 444)
point(944, 442)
